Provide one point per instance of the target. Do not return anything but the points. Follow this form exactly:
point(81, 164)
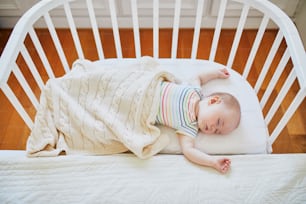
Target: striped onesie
point(176, 109)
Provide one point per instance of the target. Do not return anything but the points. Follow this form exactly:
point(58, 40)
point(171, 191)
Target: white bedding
point(251, 136)
point(90, 111)
point(161, 179)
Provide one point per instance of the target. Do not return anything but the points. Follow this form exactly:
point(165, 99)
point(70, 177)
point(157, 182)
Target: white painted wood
point(17, 105)
point(175, 28)
point(25, 54)
point(95, 29)
point(113, 13)
point(155, 28)
point(24, 84)
point(11, 11)
point(238, 34)
point(41, 53)
point(288, 114)
point(73, 31)
point(268, 61)
point(56, 42)
point(197, 28)
point(136, 28)
point(280, 97)
point(217, 30)
point(279, 70)
point(257, 41)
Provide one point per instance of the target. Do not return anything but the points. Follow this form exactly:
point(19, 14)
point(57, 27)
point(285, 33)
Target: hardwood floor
point(13, 132)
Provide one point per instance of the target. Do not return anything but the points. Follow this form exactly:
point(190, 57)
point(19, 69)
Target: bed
point(161, 174)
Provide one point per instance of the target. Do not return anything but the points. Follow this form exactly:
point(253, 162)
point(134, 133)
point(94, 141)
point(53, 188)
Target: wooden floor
point(13, 132)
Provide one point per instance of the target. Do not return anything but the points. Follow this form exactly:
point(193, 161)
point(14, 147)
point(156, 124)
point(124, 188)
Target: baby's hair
point(230, 102)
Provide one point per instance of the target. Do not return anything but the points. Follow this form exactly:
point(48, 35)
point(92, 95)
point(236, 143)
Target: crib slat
point(73, 30)
point(56, 42)
point(288, 114)
point(217, 30)
point(281, 95)
point(136, 28)
point(113, 13)
point(238, 34)
point(255, 46)
point(177, 12)
point(31, 66)
point(155, 28)
point(24, 84)
point(281, 66)
point(17, 105)
point(41, 53)
point(268, 61)
point(95, 30)
point(197, 28)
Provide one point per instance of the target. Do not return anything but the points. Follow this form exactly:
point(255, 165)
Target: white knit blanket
point(100, 110)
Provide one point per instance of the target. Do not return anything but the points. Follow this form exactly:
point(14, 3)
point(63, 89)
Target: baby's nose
point(211, 129)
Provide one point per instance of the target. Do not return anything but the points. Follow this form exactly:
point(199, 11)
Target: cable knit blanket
point(100, 110)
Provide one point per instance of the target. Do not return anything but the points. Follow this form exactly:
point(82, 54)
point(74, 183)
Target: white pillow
point(251, 136)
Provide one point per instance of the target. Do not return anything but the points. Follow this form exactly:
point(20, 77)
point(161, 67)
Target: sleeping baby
point(95, 110)
point(186, 110)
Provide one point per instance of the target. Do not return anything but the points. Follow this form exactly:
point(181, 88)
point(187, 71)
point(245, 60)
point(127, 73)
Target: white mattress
point(124, 178)
point(251, 137)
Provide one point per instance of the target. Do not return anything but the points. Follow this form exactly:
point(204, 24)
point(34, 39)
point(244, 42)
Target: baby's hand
point(223, 73)
point(222, 165)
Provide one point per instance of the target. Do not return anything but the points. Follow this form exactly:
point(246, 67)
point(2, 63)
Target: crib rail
point(289, 72)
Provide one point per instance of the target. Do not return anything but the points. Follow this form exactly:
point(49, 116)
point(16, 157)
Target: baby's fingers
point(224, 73)
point(224, 168)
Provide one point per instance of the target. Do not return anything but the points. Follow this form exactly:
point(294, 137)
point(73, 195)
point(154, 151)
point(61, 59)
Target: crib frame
point(42, 12)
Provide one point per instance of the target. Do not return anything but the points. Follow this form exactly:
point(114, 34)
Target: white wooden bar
point(136, 28)
point(95, 29)
point(279, 70)
point(17, 105)
point(175, 31)
point(197, 29)
point(255, 46)
point(41, 53)
point(281, 95)
point(288, 114)
point(24, 84)
point(32, 67)
point(155, 28)
point(56, 42)
point(113, 13)
point(238, 34)
point(268, 61)
point(73, 31)
point(217, 30)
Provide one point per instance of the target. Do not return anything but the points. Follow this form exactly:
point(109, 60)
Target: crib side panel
point(25, 62)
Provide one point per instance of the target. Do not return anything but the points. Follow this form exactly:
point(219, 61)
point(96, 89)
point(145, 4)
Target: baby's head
point(218, 113)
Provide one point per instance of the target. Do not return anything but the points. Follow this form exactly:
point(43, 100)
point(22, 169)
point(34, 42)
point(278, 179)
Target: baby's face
point(216, 118)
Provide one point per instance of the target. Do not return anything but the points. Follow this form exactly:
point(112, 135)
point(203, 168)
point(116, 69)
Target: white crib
point(288, 80)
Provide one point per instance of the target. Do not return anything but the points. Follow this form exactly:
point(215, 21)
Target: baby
point(184, 109)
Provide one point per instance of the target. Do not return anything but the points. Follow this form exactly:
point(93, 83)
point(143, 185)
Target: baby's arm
point(221, 164)
point(208, 75)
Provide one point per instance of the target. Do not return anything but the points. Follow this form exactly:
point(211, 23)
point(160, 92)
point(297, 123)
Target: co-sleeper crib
point(256, 177)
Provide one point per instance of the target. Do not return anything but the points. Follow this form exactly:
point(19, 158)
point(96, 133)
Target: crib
point(256, 176)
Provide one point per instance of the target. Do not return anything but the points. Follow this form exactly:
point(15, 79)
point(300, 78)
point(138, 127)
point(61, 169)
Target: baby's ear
point(214, 100)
